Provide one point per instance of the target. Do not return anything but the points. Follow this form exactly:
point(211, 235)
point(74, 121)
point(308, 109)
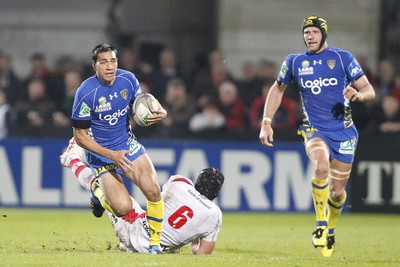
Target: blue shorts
point(342, 144)
point(101, 165)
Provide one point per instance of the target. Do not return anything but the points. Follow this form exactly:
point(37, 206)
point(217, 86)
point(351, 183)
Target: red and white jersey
point(187, 216)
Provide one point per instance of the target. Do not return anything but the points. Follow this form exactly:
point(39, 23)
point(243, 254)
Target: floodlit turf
point(36, 237)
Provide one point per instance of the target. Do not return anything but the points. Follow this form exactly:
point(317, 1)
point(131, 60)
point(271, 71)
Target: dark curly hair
point(101, 48)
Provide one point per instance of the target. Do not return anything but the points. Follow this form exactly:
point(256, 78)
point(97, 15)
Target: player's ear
point(94, 65)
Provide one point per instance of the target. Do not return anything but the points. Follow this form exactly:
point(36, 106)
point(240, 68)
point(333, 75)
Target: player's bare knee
point(322, 170)
point(122, 210)
point(336, 194)
point(123, 207)
point(153, 194)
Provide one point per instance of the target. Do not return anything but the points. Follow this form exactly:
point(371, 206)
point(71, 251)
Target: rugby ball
point(142, 107)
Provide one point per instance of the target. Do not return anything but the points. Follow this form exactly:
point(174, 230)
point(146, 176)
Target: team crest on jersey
point(331, 63)
point(305, 68)
point(348, 147)
point(103, 105)
point(84, 111)
point(124, 93)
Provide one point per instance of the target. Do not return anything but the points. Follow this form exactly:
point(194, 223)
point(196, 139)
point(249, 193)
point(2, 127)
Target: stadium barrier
point(257, 179)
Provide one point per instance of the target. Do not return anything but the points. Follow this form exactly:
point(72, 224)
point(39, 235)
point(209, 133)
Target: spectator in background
point(391, 115)
point(180, 106)
point(395, 91)
point(55, 81)
point(9, 81)
point(218, 75)
point(208, 81)
point(233, 108)
point(386, 118)
point(250, 85)
point(72, 80)
point(36, 111)
point(7, 115)
point(167, 70)
point(385, 79)
point(129, 60)
point(267, 70)
point(362, 59)
point(39, 68)
point(285, 118)
point(52, 78)
point(209, 121)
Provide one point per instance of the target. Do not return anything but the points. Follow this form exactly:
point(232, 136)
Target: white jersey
point(187, 216)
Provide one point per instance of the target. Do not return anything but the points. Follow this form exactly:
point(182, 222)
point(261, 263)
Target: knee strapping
point(339, 175)
point(311, 147)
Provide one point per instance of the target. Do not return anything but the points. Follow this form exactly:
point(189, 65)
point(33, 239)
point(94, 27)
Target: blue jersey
point(321, 78)
point(107, 107)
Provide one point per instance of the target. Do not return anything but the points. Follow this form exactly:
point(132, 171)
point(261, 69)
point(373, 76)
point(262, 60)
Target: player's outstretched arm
point(272, 104)
point(202, 247)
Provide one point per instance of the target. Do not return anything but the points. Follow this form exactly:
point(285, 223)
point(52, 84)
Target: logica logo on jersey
point(305, 68)
point(113, 118)
point(317, 84)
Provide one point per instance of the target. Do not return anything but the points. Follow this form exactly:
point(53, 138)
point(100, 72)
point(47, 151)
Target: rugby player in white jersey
point(190, 214)
point(328, 79)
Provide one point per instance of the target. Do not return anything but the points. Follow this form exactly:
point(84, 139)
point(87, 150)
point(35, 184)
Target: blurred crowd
point(207, 103)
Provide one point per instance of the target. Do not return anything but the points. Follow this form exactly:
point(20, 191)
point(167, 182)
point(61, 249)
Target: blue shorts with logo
point(342, 143)
point(101, 165)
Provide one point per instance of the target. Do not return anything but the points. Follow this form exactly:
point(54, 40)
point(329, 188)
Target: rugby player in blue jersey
point(328, 79)
point(101, 106)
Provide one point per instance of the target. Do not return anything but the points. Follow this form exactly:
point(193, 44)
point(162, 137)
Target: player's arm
point(272, 104)
point(202, 247)
point(364, 93)
point(83, 139)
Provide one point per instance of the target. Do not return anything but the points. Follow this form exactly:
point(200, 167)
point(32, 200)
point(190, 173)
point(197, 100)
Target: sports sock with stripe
point(320, 192)
point(334, 211)
point(155, 214)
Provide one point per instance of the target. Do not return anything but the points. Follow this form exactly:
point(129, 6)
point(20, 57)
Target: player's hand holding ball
point(146, 110)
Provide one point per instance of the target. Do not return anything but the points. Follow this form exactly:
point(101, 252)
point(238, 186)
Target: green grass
point(36, 237)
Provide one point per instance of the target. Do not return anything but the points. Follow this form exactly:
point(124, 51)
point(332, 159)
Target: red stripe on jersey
point(181, 179)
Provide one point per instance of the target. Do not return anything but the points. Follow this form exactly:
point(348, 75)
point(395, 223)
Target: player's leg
point(318, 153)
point(339, 174)
point(115, 192)
point(144, 176)
point(72, 157)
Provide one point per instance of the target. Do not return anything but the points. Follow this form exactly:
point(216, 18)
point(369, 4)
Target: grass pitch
point(45, 237)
